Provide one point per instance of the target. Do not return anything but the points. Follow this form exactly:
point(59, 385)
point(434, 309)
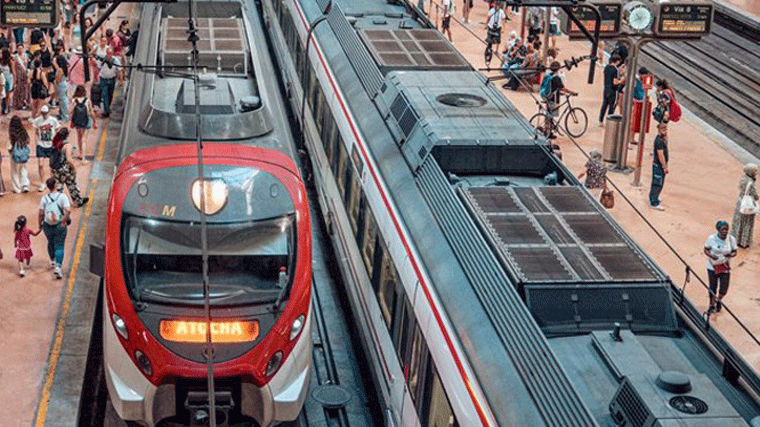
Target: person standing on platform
point(659, 166)
point(496, 18)
point(664, 98)
point(54, 213)
point(19, 149)
point(468, 5)
point(742, 225)
point(595, 173)
point(719, 247)
point(611, 81)
point(110, 70)
point(448, 8)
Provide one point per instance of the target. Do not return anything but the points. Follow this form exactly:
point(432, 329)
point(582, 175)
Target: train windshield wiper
point(134, 265)
point(284, 285)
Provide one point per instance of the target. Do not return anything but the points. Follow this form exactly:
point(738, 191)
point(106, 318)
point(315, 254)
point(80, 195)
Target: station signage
point(33, 13)
point(684, 19)
point(610, 12)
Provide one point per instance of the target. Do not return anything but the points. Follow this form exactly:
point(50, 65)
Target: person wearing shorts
point(719, 247)
point(46, 126)
point(448, 8)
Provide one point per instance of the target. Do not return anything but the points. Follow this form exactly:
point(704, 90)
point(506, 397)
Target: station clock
point(638, 15)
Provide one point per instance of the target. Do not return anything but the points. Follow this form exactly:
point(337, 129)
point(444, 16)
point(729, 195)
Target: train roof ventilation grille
point(688, 405)
point(418, 49)
point(628, 404)
point(221, 47)
point(404, 114)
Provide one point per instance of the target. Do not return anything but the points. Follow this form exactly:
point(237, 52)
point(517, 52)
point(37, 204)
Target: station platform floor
point(751, 7)
point(701, 188)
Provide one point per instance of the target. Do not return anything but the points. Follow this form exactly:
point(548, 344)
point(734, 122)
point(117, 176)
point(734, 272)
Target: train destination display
point(684, 19)
point(610, 25)
point(37, 13)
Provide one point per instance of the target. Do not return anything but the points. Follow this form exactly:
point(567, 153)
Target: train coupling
point(197, 403)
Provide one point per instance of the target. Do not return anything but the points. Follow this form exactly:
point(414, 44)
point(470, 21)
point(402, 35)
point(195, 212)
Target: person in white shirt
point(46, 126)
point(448, 9)
point(719, 247)
point(110, 70)
point(496, 18)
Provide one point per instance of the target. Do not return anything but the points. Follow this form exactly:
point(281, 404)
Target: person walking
point(468, 5)
point(7, 68)
point(659, 166)
point(82, 119)
point(62, 87)
point(46, 126)
point(39, 83)
point(110, 70)
point(743, 225)
point(719, 247)
point(54, 215)
point(611, 81)
point(62, 169)
point(448, 9)
point(496, 17)
point(19, 149)
point(23, 243)
point(595, 173)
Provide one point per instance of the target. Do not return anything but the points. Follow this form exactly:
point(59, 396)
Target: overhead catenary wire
point(209, 350)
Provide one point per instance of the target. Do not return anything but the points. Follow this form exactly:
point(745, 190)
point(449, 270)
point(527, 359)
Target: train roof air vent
point(461, 100)
point(221, 47)
point(688, 404)
point(674, 382)
point(418, 49)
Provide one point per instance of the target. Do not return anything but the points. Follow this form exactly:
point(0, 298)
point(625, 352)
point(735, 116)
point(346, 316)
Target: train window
point(439, 413)
point(386, 290)
point(418, 356)
point(340, 171)
point(354, 199)
point(332, 138)
point(403, 331)
point(369, 239)
point(327, 126)
point(319, 111)
point(300, 56)
point(315, 90)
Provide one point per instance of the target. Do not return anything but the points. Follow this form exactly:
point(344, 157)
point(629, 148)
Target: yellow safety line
point(61, 325)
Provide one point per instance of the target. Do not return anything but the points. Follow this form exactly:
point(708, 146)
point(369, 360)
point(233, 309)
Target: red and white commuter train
point(258, 230)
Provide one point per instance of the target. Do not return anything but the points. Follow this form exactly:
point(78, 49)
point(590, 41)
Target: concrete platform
point(701, 188)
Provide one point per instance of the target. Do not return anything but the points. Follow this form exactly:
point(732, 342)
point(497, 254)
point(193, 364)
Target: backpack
point(53, 210)
point(80, 116)
point(546, 86)
point(20, 155)
point(675, 110)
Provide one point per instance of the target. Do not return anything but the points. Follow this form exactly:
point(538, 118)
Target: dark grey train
point(484, 279)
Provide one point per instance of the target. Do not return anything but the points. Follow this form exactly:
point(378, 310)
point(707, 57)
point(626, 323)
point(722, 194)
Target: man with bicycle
point(554, 88)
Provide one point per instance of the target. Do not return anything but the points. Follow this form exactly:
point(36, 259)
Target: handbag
point(721, 268)
point(748, 205)
point(607, 199)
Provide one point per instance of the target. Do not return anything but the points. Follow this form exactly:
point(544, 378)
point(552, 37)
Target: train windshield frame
point(162, 261)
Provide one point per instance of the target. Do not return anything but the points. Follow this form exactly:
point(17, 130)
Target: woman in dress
point(19, 142)
point(595, 173)
point(21, 92)
point(742, 225)
point(62, 86)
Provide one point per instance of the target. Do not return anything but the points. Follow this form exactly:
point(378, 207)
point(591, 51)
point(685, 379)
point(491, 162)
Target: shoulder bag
point(748, 205)
point(607, 198)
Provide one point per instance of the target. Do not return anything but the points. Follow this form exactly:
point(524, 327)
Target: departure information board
point(34, 13)
point(684, 19)
point(610, 25)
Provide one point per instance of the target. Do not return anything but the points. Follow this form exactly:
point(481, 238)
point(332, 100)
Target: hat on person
point(45, 109)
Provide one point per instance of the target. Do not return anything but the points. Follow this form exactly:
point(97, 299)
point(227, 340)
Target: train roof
point(238, 100)
point(531, 271)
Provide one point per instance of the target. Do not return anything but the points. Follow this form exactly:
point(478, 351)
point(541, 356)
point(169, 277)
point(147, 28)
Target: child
point(23, 243)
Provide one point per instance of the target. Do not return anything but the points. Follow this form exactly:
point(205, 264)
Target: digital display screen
point(685, 19)
point(610, 20)
point(36, 13)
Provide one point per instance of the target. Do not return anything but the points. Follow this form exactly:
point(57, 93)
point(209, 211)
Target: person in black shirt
point(611, 81)
point(659, 166)
point(556, 88)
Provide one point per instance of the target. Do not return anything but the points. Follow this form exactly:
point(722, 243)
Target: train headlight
point(120, 326)
point(297, 326)
point(143, 363)
point(214, 192)
point(273, 364)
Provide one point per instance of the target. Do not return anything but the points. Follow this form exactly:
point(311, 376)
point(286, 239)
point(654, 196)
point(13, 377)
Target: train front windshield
point(248, 263)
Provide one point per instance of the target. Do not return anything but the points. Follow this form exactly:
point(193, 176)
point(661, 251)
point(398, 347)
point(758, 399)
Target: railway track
point(717, 78)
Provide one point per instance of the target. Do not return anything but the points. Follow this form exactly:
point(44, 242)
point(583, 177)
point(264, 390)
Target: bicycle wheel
point(538, 121)
point(576, 122)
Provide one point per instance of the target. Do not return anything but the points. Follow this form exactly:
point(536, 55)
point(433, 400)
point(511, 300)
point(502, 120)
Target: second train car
point(489, 287)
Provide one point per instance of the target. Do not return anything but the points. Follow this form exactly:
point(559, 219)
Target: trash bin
point(611, 139)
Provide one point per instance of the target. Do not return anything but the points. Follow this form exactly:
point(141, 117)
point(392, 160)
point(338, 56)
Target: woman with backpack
point(19, 149)
point(82, 119)
point(62, 169)
point(665, 99)
point(54, 218)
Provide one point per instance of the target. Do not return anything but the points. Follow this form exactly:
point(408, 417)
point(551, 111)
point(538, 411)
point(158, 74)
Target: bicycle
point(574, 119)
